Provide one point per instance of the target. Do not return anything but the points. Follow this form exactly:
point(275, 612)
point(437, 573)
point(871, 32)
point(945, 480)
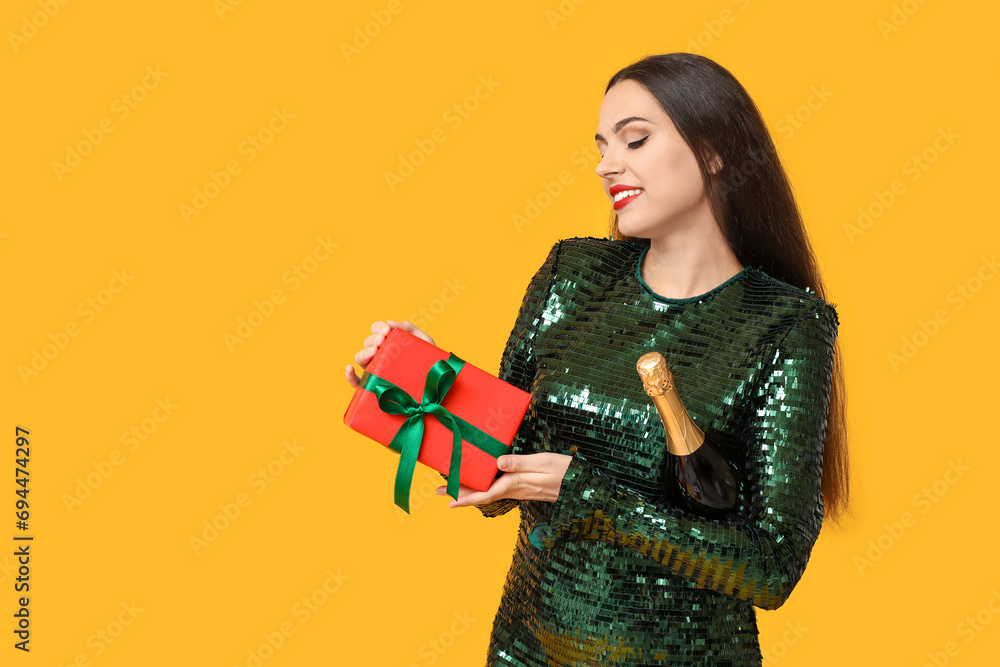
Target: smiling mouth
point(625, 196)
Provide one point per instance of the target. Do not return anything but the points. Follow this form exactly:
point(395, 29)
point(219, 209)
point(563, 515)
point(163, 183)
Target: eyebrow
point(620, 124)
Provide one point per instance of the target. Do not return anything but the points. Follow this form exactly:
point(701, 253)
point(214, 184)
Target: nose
point(608, 166)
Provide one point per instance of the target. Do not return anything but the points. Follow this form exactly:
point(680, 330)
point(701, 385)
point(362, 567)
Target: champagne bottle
point(705, 475)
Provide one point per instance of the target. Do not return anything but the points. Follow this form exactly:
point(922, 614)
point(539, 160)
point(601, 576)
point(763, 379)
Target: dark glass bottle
point(704, 474)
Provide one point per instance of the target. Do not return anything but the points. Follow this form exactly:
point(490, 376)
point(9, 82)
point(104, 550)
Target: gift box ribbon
point(394, 400)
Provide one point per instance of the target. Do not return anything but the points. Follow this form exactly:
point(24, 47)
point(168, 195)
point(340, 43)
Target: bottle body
point(708, 478)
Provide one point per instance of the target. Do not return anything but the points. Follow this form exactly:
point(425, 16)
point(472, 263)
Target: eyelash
point(638, 142)
point(635, 144)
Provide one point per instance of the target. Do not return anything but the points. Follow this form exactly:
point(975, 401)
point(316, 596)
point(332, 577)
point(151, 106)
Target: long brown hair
point(752, 198)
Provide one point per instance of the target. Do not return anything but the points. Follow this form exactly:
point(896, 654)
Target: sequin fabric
point(621, 569)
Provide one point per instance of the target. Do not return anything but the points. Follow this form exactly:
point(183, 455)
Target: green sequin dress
point(622, 568)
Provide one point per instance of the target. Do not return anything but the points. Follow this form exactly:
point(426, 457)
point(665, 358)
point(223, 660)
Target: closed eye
point(638, 142)
point(635, 144)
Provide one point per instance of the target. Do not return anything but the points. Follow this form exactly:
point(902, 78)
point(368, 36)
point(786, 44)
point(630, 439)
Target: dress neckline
point(691, 299)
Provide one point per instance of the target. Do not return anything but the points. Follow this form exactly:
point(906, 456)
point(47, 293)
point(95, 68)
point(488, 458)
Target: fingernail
point(440, 492)
point(502, 462)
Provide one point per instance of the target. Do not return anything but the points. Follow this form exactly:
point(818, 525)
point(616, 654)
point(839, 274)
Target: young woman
point(708, 263)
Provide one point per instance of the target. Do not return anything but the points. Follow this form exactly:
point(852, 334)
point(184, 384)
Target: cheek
point(672, 175)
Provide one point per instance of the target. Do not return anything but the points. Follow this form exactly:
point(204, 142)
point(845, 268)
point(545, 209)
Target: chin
point(629, 229)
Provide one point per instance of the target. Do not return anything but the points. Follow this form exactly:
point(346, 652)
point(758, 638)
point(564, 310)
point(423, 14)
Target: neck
point(689, 262)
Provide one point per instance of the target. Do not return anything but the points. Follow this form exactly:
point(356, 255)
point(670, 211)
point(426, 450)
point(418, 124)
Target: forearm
point(730, 557)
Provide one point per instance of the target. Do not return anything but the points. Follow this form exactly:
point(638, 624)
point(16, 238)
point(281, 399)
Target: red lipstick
point(615, 189)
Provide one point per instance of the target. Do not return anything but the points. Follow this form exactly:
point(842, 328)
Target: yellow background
point(406, 581)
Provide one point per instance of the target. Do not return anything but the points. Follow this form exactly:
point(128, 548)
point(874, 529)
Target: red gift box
point(433, 407)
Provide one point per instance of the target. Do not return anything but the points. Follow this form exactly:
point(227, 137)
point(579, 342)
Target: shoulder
point(593, 253)
point(793, 304)
point(595, 245)
point(799, 319)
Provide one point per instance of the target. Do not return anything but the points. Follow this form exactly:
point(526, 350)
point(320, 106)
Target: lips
point(615, 189)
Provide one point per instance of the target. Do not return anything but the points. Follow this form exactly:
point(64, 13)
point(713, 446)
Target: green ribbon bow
point(394, 400)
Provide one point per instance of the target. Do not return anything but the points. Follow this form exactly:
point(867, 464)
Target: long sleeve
point(759, 559)
point(517, 365)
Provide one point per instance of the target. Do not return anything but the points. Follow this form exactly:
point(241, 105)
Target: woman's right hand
point(380, 330)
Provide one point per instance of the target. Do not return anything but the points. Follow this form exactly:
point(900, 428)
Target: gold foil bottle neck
point(683, 435)
point(656, 377)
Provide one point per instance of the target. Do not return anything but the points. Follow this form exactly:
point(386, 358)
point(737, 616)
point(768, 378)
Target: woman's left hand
point(526, 477)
